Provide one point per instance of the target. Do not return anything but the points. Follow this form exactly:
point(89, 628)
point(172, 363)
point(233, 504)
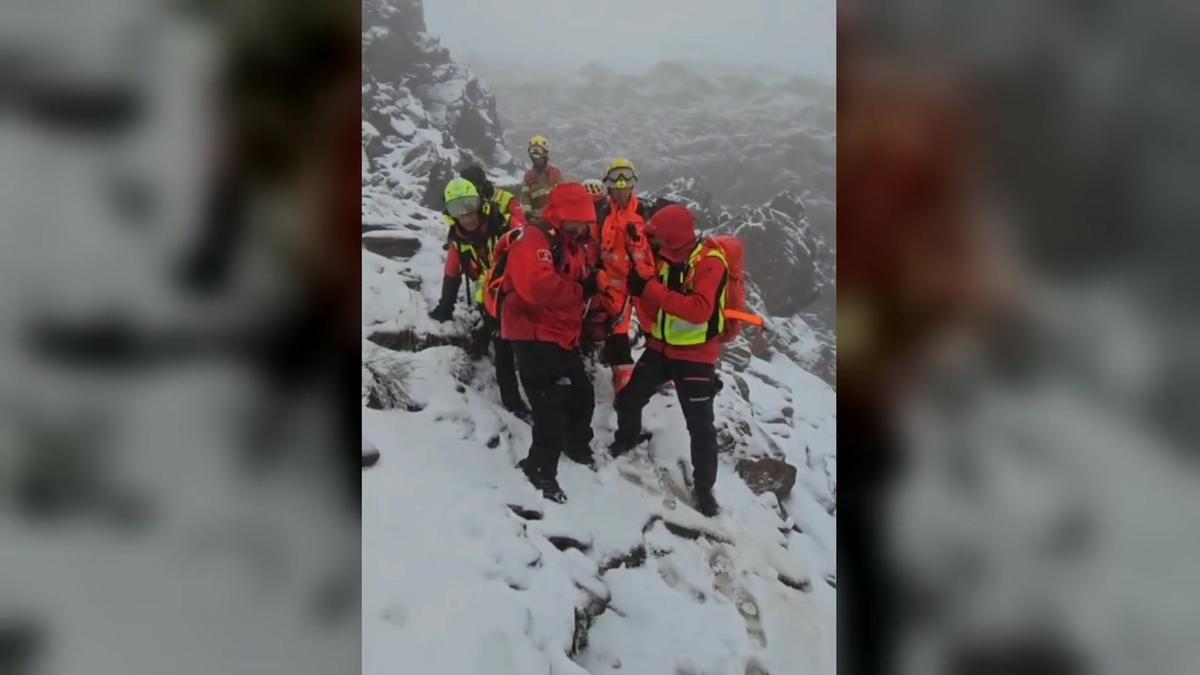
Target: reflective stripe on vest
point(674, 330)
point(465, 249)
point(501, 198)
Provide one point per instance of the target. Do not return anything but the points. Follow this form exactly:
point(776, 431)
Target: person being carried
point(686, 300)
point(623, 247)
point(540, 179)
point(547, 284)
point(473, 234)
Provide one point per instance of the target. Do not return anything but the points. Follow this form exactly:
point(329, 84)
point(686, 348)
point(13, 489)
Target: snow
point(1078, 513)
point(374, 33)
point(226, 567)
point(491, 593)
point(404, 127)
point(455, 581)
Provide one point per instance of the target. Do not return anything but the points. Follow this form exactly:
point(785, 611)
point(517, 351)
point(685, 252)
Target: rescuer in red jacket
point(685, 302)
point(547, 285)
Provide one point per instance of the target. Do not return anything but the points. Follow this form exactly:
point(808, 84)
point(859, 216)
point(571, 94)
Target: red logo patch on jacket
point(543, 255)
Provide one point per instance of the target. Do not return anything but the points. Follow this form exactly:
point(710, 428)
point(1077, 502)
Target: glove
point(590, 284)
point(445, 307)
point(442, 313)
point(637, 283)
point(631, 230)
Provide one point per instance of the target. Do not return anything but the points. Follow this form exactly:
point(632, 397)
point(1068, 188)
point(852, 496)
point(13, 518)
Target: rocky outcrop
point(792, 265)
point(767, 474)
point(424, 115)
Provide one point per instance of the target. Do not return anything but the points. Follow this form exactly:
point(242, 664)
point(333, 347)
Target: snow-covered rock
point(791, 264)
point(767, 474)
point(427, 114)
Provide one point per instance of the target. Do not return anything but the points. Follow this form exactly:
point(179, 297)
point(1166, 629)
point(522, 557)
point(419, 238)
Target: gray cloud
point(794, 35)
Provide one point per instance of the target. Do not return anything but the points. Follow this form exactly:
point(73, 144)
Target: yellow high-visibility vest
point(676, 331)
point(501, 199)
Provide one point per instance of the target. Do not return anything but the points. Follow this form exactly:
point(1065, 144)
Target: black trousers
point(697, 385)
point(562, 400)
point(617, 350)
point(506, 368)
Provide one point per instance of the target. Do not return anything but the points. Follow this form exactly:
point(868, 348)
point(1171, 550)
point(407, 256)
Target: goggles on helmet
point(620, 178)
point(462, 206)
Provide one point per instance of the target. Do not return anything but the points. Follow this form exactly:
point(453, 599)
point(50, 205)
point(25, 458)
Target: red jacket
point(543, 297)
point(696, 306)
point(516, 213)
point(459, 261)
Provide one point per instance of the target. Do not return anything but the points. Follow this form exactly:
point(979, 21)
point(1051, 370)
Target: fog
point(793, 35)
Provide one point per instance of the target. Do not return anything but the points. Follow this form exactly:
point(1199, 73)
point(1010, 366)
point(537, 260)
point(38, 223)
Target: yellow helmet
point(538, 145)
point(620, 174)
point(462, 197)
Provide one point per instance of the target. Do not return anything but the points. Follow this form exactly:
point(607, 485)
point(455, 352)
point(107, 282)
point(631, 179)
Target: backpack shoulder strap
point(714, 249)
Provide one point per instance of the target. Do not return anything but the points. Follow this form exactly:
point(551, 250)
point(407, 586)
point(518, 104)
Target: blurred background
point(178, 483)
point(1016, 337)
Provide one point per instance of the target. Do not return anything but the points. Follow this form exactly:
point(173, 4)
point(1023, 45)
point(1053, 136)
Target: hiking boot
point(706, 503)
point(619, 447)
point(520, 411)
point(550, 488)
point(547, 485)
point(582, 456)
point(527, 468)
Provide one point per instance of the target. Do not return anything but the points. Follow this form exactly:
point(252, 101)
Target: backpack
point(492, 285)
point(736, 313)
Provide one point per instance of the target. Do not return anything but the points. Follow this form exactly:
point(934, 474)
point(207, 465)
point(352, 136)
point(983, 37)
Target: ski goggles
point(462, 206)
point(538, 153)
point(620, 178)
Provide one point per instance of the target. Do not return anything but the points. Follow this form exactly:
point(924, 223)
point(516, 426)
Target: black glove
point(636, 283)
point(491, 324)
point(445, 307)
point(442, 313)
point(591, 286)
point(631, 230)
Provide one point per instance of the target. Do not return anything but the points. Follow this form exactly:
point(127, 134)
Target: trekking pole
point(617, 319)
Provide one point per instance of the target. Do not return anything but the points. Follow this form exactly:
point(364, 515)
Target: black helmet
point(476, 175)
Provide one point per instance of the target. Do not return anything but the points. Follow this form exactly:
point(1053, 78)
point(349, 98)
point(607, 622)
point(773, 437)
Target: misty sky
point(796, 35)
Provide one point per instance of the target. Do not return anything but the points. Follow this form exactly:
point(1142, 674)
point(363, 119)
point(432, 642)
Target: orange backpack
point(735, 287)
point(492, 284)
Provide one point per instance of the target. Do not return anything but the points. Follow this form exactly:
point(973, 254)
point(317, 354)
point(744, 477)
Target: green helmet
point(462, 197)
point(458, 188)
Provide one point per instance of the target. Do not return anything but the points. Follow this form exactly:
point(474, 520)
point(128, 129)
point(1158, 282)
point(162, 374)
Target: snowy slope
point(462, 562)
point(467, 569)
